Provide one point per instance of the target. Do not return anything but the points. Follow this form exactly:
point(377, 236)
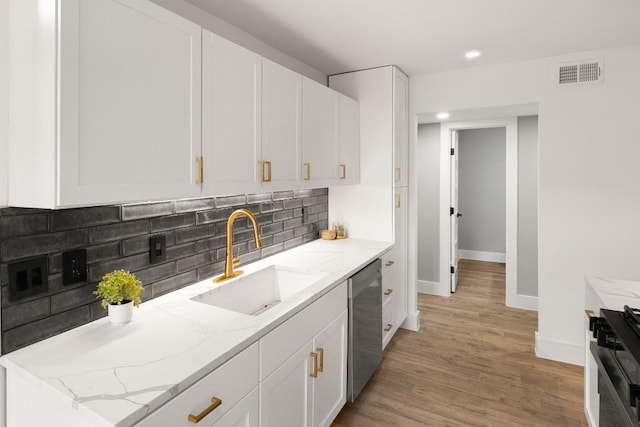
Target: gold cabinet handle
point(397, 200)
point(388, 327)
point(589, 313)
point(389, 263)
point(397, 175)
point(200, 178)
point(388, 292)
point(264, 163)
point(314, 372)
point(320, 351)
point(215, 402)
point(344, 171)
point(307, 175)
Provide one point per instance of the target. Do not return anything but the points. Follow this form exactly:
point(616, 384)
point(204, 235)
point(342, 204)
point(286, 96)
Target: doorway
point(478, 196)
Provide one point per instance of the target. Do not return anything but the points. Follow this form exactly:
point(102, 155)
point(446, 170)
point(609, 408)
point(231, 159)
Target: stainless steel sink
point(255, 293)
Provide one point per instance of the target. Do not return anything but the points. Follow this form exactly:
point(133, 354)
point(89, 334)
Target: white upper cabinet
point(231, 117)
point(349, 140)
point(105, 103)
point(279, 168)
point(319, 135)
point(400, 129)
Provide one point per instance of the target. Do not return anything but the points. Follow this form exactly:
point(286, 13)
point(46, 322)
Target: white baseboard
point(482, 256)
point(412, 322)
point(525, 302)
point(559, 351)
point(433, 288)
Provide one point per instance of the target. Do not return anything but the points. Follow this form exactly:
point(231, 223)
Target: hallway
point(471, 364)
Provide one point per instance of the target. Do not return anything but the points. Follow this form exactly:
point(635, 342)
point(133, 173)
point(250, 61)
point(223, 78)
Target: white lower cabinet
point(285, 394)
point(308, 388)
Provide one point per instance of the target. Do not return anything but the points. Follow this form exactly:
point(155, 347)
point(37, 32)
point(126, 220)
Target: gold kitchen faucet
point(229, 260)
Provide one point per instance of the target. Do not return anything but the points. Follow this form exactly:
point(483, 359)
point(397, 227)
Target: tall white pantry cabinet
point(377, 208)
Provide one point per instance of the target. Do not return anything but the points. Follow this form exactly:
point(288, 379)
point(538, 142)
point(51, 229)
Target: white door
point(454, 210)
point(400, 128)
point(329, 388)
point(349, 157)
point(286, 395)
point(281, 98)
point(400, 240)
point(319, 134)
point(231, 107)
point(129, 107)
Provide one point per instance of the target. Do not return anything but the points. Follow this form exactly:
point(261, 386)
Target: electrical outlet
point(74, 267)
point(28, 278)
point(157, 249)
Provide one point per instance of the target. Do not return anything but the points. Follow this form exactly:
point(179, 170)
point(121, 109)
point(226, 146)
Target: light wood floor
point(471, 364)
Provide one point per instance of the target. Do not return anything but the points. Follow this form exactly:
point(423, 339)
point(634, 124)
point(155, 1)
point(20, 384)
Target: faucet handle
point(236, 259)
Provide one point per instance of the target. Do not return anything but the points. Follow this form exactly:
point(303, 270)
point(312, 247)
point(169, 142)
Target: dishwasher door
point(365, 327)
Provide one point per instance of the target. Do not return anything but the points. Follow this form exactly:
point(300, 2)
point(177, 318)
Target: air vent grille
point(568, 74)
point(579, 72)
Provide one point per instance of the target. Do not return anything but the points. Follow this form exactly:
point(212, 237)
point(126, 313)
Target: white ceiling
point(422, 36)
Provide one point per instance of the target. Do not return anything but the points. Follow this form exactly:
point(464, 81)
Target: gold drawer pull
point(389, 263)
point(344, 171)
point(388, 327)
point(320, 351)
point(314, 373)
point(215, 402)
point(397, 175)
point(589, 313)
point(388, 292)
point(200, 178)
point(307, 175)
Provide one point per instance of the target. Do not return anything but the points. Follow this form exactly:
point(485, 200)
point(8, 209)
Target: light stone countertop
point(615, 294)
point(117, 374)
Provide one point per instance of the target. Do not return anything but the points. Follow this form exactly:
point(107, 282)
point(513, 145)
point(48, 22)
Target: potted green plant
point(120, 292)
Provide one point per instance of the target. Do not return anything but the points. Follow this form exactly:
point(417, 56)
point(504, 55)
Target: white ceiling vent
point(579, 72)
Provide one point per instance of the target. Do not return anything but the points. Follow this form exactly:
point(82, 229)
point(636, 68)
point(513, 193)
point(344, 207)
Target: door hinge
point(450, 211)
point(453, 151)
point(453, 269)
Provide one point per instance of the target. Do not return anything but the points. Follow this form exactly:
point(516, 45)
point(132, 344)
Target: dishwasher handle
point(370, 276)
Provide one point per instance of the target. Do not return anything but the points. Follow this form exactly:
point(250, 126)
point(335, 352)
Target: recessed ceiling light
point(443, 116)
point(472, 54)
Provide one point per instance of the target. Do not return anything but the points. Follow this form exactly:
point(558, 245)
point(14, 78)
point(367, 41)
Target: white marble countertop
point(615, 294)
point(117, 374)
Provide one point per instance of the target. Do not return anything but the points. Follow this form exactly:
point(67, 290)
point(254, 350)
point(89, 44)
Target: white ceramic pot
point(120, 313)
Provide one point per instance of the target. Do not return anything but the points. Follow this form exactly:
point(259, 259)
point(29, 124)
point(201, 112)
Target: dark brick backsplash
point(118, 237)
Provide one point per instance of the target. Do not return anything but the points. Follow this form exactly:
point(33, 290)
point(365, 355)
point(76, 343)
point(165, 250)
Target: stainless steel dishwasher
point(365, 327)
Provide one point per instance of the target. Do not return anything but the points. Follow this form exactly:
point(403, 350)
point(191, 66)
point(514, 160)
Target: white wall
point(4, 99)
point(236, 35)
point(428, 153)
point(589, 174)
point(482, 197)
point(528, 205)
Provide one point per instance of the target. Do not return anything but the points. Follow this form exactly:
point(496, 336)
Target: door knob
point(458, 214)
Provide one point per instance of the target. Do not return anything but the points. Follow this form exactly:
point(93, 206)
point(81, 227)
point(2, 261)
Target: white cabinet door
point(349, 146)
point(400, 250)
point(400, 128)
point(281, 119)
point(319, 134)
point(286, 394)
point(329, 388)
point(129, 105)
point(231, 116)
point(246, 413)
